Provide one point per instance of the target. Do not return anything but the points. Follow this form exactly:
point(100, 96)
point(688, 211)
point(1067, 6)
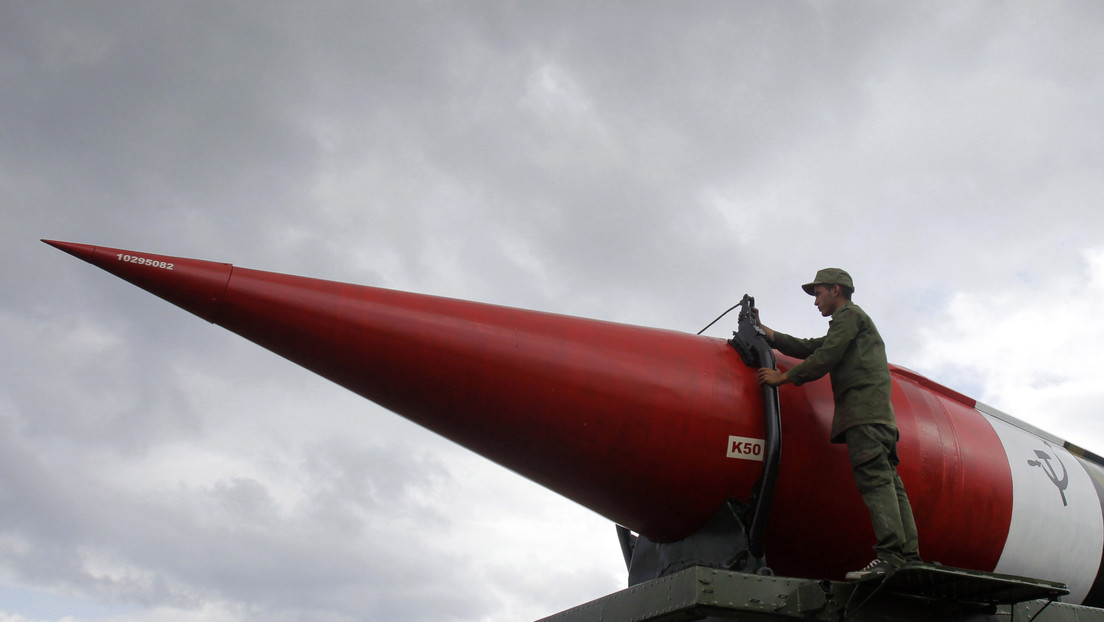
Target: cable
point(718, 318)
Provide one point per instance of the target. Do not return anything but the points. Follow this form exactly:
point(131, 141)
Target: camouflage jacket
point(853, 354)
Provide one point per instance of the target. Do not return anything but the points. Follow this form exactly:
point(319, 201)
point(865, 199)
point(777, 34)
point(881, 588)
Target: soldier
point(853, 355)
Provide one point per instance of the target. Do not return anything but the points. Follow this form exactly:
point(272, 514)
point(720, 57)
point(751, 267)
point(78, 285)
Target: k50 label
point(745, 448)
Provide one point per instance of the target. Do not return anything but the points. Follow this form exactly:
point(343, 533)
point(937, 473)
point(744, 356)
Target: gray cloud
point(638, 162)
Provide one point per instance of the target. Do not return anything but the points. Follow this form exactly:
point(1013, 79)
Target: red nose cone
point(80, 251)
point(191, 284)
point(608, 415)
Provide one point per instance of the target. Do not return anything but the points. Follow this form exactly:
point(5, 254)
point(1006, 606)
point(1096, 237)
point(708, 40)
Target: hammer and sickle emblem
point(1043, 462)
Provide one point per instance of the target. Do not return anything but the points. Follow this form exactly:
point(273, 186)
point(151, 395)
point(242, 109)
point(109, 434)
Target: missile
point(657, 430)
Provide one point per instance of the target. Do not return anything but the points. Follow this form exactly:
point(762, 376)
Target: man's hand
point(772, 377)
point(755, 314)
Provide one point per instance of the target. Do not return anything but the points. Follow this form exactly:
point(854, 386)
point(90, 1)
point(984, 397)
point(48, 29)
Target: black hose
point(718, 318)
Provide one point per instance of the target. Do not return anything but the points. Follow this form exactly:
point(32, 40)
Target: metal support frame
point(913, 593)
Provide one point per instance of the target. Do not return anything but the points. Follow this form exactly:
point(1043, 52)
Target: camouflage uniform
point(853, 354)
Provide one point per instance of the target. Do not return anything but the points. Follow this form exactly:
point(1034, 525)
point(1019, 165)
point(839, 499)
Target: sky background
point(641, 162)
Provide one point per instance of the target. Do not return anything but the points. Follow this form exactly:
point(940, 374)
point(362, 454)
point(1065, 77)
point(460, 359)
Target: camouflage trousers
point(872, 449)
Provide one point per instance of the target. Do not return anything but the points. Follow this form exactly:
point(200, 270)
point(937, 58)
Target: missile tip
point(81, 251)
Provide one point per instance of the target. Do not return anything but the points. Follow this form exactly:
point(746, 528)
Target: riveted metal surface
point(697, 593)
point(1044, 611)
point(961, 585)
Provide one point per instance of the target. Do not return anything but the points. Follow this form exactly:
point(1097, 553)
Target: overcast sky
point(638, 162)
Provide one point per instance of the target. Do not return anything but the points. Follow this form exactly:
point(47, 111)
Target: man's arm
point(826, 352)
point(767, 330)
point(842, 330)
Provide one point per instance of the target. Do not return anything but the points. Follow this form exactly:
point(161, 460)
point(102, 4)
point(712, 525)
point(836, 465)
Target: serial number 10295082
point(144, 261)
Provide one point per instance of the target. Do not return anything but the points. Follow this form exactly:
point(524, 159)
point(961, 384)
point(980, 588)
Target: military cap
point(830, 276)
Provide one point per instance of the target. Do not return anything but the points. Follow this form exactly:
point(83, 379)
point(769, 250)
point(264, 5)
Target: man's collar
point(843, 306)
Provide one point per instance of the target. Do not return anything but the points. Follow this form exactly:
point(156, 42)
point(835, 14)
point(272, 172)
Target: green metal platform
point(913, 593)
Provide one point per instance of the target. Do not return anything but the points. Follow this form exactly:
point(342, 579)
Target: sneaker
point(873, 569)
